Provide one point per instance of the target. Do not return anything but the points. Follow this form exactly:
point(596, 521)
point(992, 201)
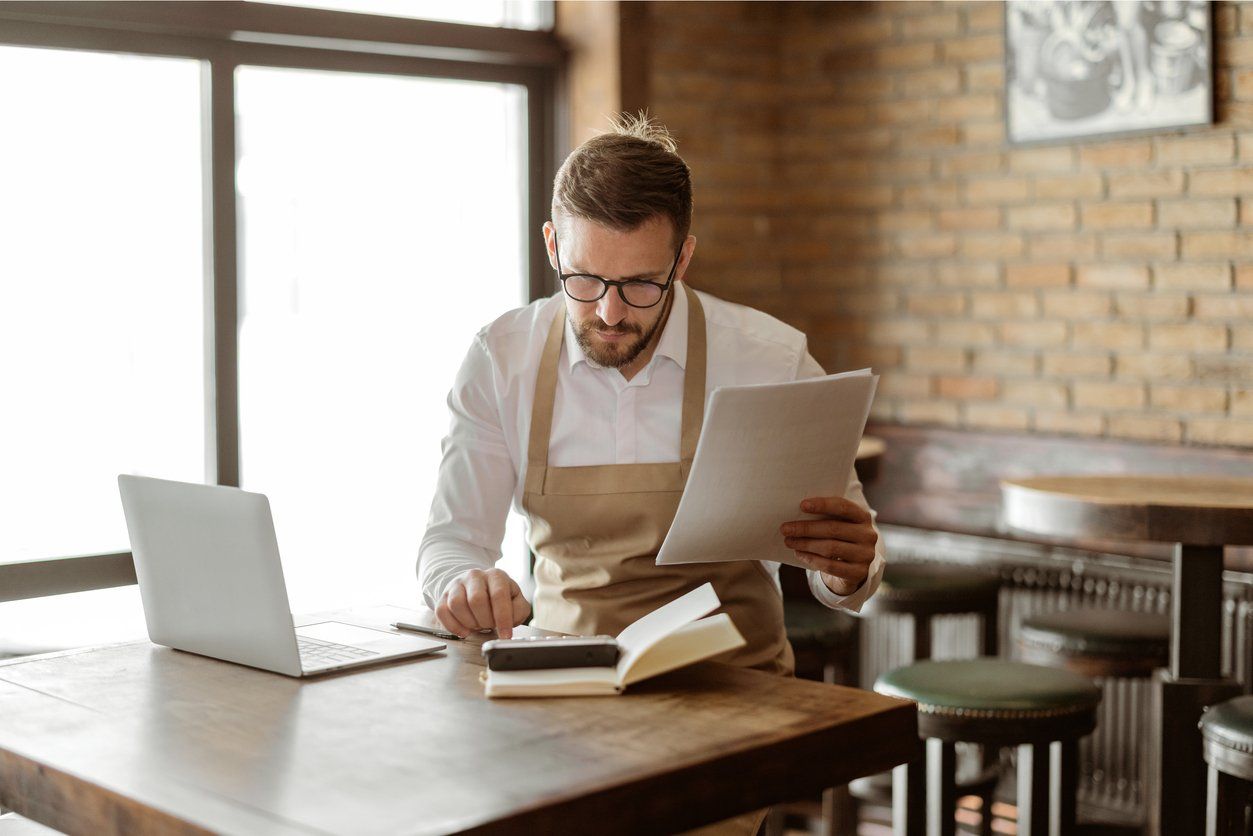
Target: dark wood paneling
point(949, 480)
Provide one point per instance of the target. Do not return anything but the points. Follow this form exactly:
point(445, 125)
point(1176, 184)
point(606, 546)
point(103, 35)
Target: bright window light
point(380, 229)
point(101, 292)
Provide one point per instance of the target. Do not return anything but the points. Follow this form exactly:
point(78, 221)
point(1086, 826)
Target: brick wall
point(713, 79)
point(853, 178)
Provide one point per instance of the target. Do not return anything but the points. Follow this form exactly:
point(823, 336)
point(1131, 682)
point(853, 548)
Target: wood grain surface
point(1197, 510)
point(1168, 491)
point(138, 738)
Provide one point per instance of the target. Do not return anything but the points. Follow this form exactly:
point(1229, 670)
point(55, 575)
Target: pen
point(437, 632)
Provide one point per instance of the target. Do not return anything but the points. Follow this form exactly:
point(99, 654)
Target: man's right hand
point(482, 599)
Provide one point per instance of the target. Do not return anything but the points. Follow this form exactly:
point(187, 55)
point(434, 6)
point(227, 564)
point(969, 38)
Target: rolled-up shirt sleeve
point(476, 481)
point(808, 368)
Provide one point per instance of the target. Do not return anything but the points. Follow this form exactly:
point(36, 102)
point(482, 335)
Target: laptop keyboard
point(314, 652)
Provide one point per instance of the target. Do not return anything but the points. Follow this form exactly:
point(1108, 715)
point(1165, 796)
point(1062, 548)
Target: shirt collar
point(673, 342)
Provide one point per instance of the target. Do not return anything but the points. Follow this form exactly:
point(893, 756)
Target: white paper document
point(762, 449)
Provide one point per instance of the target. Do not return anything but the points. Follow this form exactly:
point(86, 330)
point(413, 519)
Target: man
point(583, 410)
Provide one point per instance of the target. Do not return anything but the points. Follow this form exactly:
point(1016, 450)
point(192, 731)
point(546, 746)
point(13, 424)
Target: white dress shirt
point(599, 418)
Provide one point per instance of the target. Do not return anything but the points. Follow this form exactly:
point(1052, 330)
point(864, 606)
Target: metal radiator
point(1039, 578)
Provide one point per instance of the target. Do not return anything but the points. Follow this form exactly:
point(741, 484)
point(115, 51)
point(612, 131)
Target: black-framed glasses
point(638, 293)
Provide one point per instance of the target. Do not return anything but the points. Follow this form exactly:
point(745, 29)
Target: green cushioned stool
point(1227, 744)
point(1097, 642)
point(925, 590)
point(825, 641)
point(1121, 649)
point(994, 703)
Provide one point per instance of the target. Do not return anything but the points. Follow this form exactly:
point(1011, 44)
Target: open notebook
point(670, 637)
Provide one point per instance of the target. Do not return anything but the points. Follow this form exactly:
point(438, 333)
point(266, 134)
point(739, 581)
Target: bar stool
point(1097, 643)
point(1125, 647)
point(924, 591)
point(995, 703)
point(824, 641)
point(1227, 745)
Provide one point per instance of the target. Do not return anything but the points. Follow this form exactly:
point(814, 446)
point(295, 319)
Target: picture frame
point(1099, 68)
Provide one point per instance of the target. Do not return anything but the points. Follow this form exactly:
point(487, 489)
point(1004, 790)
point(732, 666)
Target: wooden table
point(1199, 515)
point(139, 738)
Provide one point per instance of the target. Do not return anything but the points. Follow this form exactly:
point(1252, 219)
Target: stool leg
point(989, 634)
point(922, 637)
point(1064, 786)
point(941, 788)
point(1226, 797)
point(1033, 789)
point(985, 812)
point(909, 799)
point(988, 755)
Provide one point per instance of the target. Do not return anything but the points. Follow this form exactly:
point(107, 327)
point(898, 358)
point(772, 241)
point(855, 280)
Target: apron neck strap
point(546, 391)
point(545, 397)
point(693, 382)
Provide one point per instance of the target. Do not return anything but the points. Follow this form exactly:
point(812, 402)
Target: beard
point(615, 355)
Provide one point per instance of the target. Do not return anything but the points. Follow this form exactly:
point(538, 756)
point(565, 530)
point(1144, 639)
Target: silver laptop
point(211, 582)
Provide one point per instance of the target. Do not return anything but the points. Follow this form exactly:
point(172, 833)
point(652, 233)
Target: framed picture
point(1087, 68)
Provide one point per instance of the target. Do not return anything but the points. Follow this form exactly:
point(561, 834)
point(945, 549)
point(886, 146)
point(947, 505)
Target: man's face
point(611, 332)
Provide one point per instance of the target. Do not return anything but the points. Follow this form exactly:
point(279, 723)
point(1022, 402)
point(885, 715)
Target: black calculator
point(535, 652)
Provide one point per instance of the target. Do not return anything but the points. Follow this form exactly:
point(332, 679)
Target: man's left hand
point(840, 546)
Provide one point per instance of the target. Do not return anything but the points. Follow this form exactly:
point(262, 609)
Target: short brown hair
point(626, 176)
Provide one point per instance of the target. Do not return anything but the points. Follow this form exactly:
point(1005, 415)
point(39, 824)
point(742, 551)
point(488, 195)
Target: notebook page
point(693, 642)
point(661, 622)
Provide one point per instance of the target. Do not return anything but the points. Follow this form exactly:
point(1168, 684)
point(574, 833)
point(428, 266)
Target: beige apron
point(596, 530)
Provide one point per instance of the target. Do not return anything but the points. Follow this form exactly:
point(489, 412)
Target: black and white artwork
point(1082, 68)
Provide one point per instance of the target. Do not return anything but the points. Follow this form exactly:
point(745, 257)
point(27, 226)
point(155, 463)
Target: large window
point(380, 230)
point(101, 291)
point(251, 248)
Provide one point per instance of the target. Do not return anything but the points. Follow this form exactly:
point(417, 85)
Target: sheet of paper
point(763, 449)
